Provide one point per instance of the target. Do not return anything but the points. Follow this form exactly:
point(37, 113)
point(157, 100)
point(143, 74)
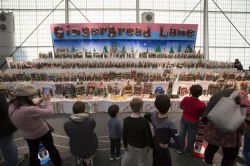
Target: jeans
point(47, 141)
point(189, 129)
point(9, 150)
point(115, 147)
point(246, 148)
point(135, 156)
point(229, 155)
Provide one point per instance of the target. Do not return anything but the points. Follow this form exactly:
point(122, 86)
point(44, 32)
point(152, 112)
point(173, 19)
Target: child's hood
point(79, 117)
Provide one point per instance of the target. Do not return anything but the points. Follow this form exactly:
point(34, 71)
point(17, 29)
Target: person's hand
point(38, 101)
point(164, 146)
point(47, 98)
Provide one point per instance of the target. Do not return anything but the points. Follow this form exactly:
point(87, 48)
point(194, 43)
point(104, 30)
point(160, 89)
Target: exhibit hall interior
point(110, 52)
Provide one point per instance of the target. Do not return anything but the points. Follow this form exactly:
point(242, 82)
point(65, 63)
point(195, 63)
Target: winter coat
point(83, 141)
point(6, 127)
point(30, 120)
point(213, 135)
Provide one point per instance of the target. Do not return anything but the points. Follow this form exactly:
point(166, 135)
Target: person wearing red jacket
point(193, 108)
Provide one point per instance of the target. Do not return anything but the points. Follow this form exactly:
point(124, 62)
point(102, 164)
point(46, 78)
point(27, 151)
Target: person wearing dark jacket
point(137, 136)
point(7, 145)
point(238, 65)
point(165, 129)
point(80, 127)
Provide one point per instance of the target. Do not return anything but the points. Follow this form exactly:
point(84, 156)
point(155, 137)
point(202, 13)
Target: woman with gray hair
point(229, 142)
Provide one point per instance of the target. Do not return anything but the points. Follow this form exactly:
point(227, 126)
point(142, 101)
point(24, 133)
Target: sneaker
point(111, 158)
point(179, 151)
point(118, 157)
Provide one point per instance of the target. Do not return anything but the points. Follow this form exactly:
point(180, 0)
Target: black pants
point(47, 141)
point(115, 146)
point(229, 155)
point(161, 158)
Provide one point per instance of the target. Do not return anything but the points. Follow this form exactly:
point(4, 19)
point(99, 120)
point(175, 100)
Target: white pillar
point(205, 31)
point(137, 12)
point(66, 11)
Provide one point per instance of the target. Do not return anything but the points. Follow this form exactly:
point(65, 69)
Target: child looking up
point(193, 108)
point(137, 136)
point(165, 129)
point(115, 132)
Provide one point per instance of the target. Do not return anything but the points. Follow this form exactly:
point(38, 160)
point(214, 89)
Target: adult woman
point(28, 117)
point(230, 142)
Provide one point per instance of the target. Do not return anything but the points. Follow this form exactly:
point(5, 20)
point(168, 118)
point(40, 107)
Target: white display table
point(62, 105)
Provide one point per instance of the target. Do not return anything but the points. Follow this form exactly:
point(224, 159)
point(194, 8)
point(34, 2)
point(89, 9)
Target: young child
point(137, 136)
point(165, 129)
point(80, 127)
point(193, 108)
point(115, 132)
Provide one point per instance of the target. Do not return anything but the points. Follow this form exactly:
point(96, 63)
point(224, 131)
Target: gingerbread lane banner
point(123, 37)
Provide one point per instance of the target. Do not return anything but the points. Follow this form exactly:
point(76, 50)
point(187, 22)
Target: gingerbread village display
point(118, 61)
point(105, 76)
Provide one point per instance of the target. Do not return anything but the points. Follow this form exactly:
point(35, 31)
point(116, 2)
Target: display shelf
point(121, 70)
point(115, 60)
point(96, 105)
point(86, 70)
point(117, 63)
point(164, 73)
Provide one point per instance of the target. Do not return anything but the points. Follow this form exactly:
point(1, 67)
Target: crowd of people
point(26, 114)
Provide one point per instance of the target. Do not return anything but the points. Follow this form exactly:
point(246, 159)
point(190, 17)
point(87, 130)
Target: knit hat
point(25, 89)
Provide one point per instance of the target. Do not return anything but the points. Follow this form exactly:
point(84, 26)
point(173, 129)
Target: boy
point(115, 132)
point(136, 136)
point(193, 108)
point(80, 127)
point(165, 129)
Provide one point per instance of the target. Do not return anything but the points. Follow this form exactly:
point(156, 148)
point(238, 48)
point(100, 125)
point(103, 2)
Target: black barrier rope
point(231, 23)
point(191, 12)
point(79, 11)
point(31, 33)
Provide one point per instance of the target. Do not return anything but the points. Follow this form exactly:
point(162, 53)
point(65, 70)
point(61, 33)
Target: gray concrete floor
point(102, 155)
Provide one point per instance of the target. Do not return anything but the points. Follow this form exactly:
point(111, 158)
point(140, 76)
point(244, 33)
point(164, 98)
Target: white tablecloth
point(101, 105)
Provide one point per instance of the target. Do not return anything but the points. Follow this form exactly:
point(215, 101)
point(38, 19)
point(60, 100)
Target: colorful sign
point(108, 39)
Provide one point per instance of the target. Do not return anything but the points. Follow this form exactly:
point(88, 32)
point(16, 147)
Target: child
point(164, 129)
point(115, 132)
point(137, 136)
point(193, 108)
point(80, 127)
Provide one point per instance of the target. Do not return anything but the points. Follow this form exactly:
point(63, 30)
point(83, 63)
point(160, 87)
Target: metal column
point(137, 12)
point(66, 11)
point(205, 31)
